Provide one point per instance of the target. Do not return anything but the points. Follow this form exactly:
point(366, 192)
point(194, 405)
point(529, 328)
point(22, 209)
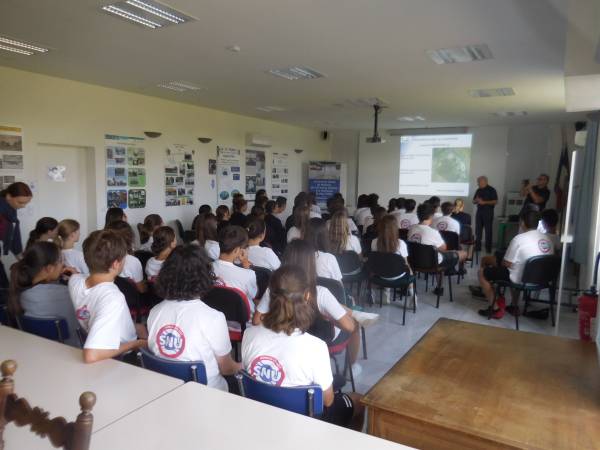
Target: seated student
point(340, 238)
point(400, 205)
point(233, 243)
point(256, 211)
point(204, 209)
point(34, 290)
point(459, 213)
point(260, 195)
point(435, 202)
point(338, 204)
point(275, 232)
point(67, 234)
point(295, 357)
point(114, 215)
point(279, 210)
point(300, 201)
point(371, 232)
point(387, 240)
point(222, 213)
point(315, 210)
point(257, 255)
point(301, 218)
point(391, 206)
point(162, 245)
point(549, 225)
point(238, 217)
point(45, 230)
point(151, 223)
point(446, 222)
point(326, 263)
point(200, 332)
point(132, 268)
point(529, 243)
point(409, 218)
point(362, 209)
point(100, 307)
point(207, 235)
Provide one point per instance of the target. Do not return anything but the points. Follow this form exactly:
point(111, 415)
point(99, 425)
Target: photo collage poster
point(229, 177)
point(11, 154)
point(280, 175)
point(180, 176)
point(255, 171)
point(125, 172)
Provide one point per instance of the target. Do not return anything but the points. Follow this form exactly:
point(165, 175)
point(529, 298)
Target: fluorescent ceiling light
point(510, 113)
point(411, 119)
point(270, 108)
point(499, 92)
point(15, 50)
point(368, 102)
point(148, 13)
point(24, 45)
point(296, 73)
point(130, 16)
point(468, 53)
point(162, 13)
point(180, 86)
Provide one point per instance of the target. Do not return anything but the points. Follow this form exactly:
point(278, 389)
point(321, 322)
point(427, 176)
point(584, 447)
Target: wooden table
point(468, 386)
point(196, 417)
point(53, 375)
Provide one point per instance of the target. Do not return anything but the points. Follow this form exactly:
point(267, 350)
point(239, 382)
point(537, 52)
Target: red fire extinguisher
point(588, 308)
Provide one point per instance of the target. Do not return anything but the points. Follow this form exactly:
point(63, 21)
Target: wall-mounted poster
point(280, 175)
point(180, 175)
point(324, 179)
point(125, 171)
point(11, 148)
point(255, 171)
point(229, 182)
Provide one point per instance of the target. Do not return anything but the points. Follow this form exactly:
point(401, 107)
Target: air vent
point(23, 48)
point(296, 73)
point(180, 86)
point(147, 13)
point(510, 113)
point(270, 108)
point(460, 54)
point(367, 102)
point(499, 92)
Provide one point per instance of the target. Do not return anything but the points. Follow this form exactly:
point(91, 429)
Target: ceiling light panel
point(498, 92)
point(453, 55)
point(296, 73)
point(23, 48)
point(368, 102)
point(180, 86)
point(411, 119)
point(147, 13)
point(270, 108)
point(511, 113)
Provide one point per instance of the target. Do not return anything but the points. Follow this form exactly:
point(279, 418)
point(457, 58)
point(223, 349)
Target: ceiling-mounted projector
point(376, 139)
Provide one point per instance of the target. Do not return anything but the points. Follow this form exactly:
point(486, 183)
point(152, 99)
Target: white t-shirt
point(293, 233)
point(352, 226)
point(263, 257)
point(315, 209)
point(327, 305)
point(446, 223)
point(190, 331)
point(237, 277)
point(361, 215)
point(524, 246)
point(327, 266)
point(424, 234)
point(437, 215)
point(132, 269)
point(353, 244)
point(153, 267)
point(407, 220)
point(278, 359)
point(213, 249)
point(282, 216)
point(147, 246)
point(402, 249)
point(101, 311)
point(74, 258)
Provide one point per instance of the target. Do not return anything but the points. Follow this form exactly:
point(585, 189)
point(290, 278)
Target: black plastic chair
point(263, 276)
point(389, 270)
point(468, 240)
point(53, 328)
point(132, 297)
point(143, 256)
point(540, 272)
point(351, 267)
point(186, 236)
point(452, 241)
point(424, 259)
point(4, 315)
point(403, 234)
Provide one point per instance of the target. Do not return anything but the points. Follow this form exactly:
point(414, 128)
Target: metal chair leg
point(364, 341)
point(404, 310)
point(450, 287)
point(552, 300)
point(380, 297)
point(350, 368)
point(414, 297)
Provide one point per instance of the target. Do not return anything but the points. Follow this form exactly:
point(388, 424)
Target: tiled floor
point(388, 340)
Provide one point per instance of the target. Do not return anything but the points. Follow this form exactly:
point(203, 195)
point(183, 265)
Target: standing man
point(485, 198)
point(536, 196)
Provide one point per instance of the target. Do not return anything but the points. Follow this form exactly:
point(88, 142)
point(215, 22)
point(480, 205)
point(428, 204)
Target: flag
point(561, 183)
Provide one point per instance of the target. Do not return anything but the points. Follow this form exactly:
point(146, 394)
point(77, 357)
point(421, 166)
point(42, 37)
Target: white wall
point(344, 149)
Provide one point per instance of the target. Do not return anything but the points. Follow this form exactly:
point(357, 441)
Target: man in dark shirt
point(485, 198)
point(536, 196)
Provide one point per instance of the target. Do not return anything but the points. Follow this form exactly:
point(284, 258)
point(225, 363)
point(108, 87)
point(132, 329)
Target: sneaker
point(356, 369)
point(501, 302)
point(513, 310)
point(476, 291)
point(496, 314)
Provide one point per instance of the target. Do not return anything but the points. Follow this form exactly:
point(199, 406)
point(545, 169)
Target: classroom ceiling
point(366, 49)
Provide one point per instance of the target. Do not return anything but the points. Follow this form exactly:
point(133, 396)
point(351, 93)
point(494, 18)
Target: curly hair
point(163, 237)
point(186, 274)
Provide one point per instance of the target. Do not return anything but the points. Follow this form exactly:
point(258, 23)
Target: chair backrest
point(466, 233)
point(68, 435)
point(263, 276)
point(422, 257)
point(230, 302)
point(184, 370)
point(306, 400)
point(386, 265)
point(542, 270)
point(143, 256)
point(349, 262)
point(54, 328)
point(451, 239)
point(132, 296)
point(180, 229)
point(3, 315)
point(403, 233)
point(335, 287)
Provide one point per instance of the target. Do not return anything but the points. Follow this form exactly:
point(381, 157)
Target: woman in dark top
point(238, 217)
point(459, 215)
point(275, 234)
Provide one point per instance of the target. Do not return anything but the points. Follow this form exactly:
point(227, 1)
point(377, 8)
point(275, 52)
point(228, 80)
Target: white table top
point(197, 417)
point(53, 376)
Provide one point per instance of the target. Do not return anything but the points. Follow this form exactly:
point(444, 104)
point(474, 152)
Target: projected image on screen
point(435, 165)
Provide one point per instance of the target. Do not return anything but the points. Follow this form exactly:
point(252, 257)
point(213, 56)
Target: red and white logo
point(416, 238)
point(83, 313)
point(405, 223)
point(442, 226)
point(544, 245)
point(170, 341)
point(268, 370)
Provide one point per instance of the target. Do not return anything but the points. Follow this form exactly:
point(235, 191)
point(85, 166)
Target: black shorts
point(341, 410)
point(449, 260)
point(498, 273)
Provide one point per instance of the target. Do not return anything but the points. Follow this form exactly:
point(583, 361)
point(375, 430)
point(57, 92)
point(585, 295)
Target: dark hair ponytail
point(151, 223)
point(42, 226)
point(18, 189)
point(163, 238)
point(22, 273)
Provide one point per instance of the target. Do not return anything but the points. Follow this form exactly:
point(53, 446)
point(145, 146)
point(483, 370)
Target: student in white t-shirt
point(151, 223)
point(281, 352)
point(207, 235)
point(67, 234)
point(408, 218)
point(132, 269)
point(315, 210)
point(362, 209)
point(446, 223)
point(99, 305)
point(233, 242)
point(339, 234)
point(387, 240)
point(435, 202)
point(182, 327)
point(257, 255)
point(301, 218)
point(326, 262)
point(163, 243)
point(279, 210)
point(549, 226)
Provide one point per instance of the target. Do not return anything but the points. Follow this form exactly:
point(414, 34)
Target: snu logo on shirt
point(544, 245)
point(268, 370)
point(405, 223)
point(416, 238)
point(83, 313)
point(170, 341)
point(442, 226)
